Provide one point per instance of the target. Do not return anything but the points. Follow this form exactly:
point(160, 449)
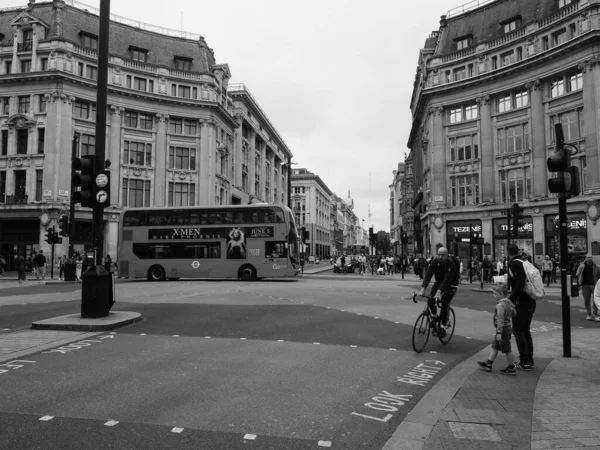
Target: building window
point(507, 58)
point(25, 66)
point(146, 121)
point(84, 110)
point(562, 3)
point(44, 63)
point(510, 25)
point(139, 84)
point(521, 99)
point(88, 71)
point(513, 139)
point(190, 127)
point(463, 42)
point(464, 148)
point(576, 82)
point(41, 140)
point(460, 73)
point(515, 185)
point(182, 63)
point(87, 145)
point(5, 105)
point(138, 54)
point(572, 124)
point(4, 135)
point(182, 194)
point(42, 103)
point(24, 103)
point(466, 112)
point(130, 119)
point(176, 126)
point(136, 193)
point(465, 190)
point(137, 153)
point(39, 185)
point(504, 103)
point(22, 141)
point(88, 40)
point(184, 91)
point(557, 87)
point(559, 37)
point(583, 168)
point(2, 187)
point(182, 158)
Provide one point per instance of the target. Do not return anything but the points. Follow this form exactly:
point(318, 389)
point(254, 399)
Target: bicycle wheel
point(421, 332)
point(450, 329)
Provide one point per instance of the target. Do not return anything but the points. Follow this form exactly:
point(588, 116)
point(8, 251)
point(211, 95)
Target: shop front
point(577, 240)
point(458, 239)
point(18, 235)
point(524, 239)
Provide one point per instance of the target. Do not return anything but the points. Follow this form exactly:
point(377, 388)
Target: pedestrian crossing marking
point(176, 430)
point(46, 418)
point(111, 423)
point(250, 437)
point(324, 443)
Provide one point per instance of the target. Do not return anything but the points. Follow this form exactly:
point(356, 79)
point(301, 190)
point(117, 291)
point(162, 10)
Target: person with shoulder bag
point(588, 274)
point(524, 306)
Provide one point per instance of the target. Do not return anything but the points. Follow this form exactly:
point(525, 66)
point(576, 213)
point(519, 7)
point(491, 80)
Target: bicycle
point(427, 323)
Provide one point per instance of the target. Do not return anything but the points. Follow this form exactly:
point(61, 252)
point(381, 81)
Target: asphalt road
point(321, 361)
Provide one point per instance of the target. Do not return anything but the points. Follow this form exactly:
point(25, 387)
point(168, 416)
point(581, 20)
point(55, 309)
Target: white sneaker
point(589, 317)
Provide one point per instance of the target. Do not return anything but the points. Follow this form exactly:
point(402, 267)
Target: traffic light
point(567, 181)
point(102, 189)
point(84, 177)
point(63, 226)
point(303, 234)
point(306, 235)
point(518, 218)
point(403, 235)
point(49, 236)
point(371, 237)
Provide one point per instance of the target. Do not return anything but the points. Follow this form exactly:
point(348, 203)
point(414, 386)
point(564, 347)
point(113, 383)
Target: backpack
point(456, 278)
point(534, 285)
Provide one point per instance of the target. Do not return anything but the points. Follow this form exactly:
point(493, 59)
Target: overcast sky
point(334, 77)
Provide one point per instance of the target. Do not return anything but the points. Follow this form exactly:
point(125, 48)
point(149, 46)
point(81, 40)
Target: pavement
point(555, 405)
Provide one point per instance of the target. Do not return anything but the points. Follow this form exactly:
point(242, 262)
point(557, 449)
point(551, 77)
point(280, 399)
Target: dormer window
point(463, 42)
point(511, 24)
point(88, 40)
point(183, 63)
point(138, 54)
point(27, 42)
point(563, 3)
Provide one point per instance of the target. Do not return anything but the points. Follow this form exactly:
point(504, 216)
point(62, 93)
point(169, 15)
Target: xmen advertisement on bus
point(236, 244)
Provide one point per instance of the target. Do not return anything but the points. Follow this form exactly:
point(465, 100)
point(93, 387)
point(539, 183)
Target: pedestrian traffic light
point(567, 181)
point(102, 189)
point(63, 226)
point(303, 235)
point(518, 218)
point(83, 177)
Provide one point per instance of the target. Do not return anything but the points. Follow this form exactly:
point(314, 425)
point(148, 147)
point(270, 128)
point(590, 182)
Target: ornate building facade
point(490, 86)
point(178, 134)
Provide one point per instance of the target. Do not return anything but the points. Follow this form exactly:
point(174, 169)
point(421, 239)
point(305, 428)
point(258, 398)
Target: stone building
point(178, 134)
point(491, 84)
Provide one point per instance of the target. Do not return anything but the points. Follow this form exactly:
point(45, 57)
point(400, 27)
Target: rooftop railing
point(467, 7)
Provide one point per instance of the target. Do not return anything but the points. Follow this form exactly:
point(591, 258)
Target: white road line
point(207, 337)
point(46, 418)
point(242, 339)
point(250, 437)
point(324, 443)
point(316, 343)
point(432, 351)
point(176, 430)
point(175, 335)
point(142, 334)
point(280, 340)
point(393, 349)
point(111, 423)
point(354, 346)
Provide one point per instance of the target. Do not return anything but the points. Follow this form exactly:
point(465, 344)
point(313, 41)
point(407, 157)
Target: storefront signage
point(501, 227)
point(463, 228)
point(576, 222)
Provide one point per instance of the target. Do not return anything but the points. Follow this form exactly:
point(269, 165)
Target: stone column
point(114, 152)
point(161, 152)
point(438, 157)
point(17, 36)
point(263, 173)
point(537, 140)
point(238, 144)
point(204, 159)
point(34, 44)
point(252, 164)
point(486, 150)
point(591, 103)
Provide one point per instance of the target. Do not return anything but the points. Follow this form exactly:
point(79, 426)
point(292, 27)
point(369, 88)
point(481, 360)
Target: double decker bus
point(247, 242)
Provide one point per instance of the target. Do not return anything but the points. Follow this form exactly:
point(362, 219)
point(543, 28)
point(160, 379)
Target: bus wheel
point(247, 273)
point(156, 273)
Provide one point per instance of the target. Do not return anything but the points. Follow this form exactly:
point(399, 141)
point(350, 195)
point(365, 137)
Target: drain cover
point(473, 431)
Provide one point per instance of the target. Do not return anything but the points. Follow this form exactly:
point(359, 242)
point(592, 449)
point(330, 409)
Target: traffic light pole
point(52, 261)
point(72, 206)
point(564, 265)
point(470, 255)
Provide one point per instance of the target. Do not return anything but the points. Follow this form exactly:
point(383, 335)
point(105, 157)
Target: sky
point(335, 77)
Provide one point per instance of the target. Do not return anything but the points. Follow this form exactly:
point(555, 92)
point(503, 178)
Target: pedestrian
point(485, 265)
point(504, 314)
point(525, 307)
point(597, 295)
point(31, 265)
point(2, 264)
point(107, 262)
point(78, 267)
point(302, 264)
point(588, 274)
point(61, 266)
point(40, 265)
point(20, 266)
point(547, 268)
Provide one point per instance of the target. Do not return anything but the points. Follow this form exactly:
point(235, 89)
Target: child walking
point(504, 314)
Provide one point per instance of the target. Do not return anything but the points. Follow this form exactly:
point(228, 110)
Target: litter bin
point(97, 292)
point(70, 267)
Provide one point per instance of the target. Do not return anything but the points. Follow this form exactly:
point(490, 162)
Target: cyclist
point(446, 275)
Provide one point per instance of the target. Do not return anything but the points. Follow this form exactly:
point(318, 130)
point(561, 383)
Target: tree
point(384, 244)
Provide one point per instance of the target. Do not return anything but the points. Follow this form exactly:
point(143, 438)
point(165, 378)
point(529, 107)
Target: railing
point(507, 38)
point(25, 46)
point(569, 9)
point(139, 66)
point(458, 55)
point(136, 23)
point(16, 199)
point(467, 7)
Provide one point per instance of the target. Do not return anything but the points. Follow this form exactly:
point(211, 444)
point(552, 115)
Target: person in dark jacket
point(446, 275)
point(524, 305)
